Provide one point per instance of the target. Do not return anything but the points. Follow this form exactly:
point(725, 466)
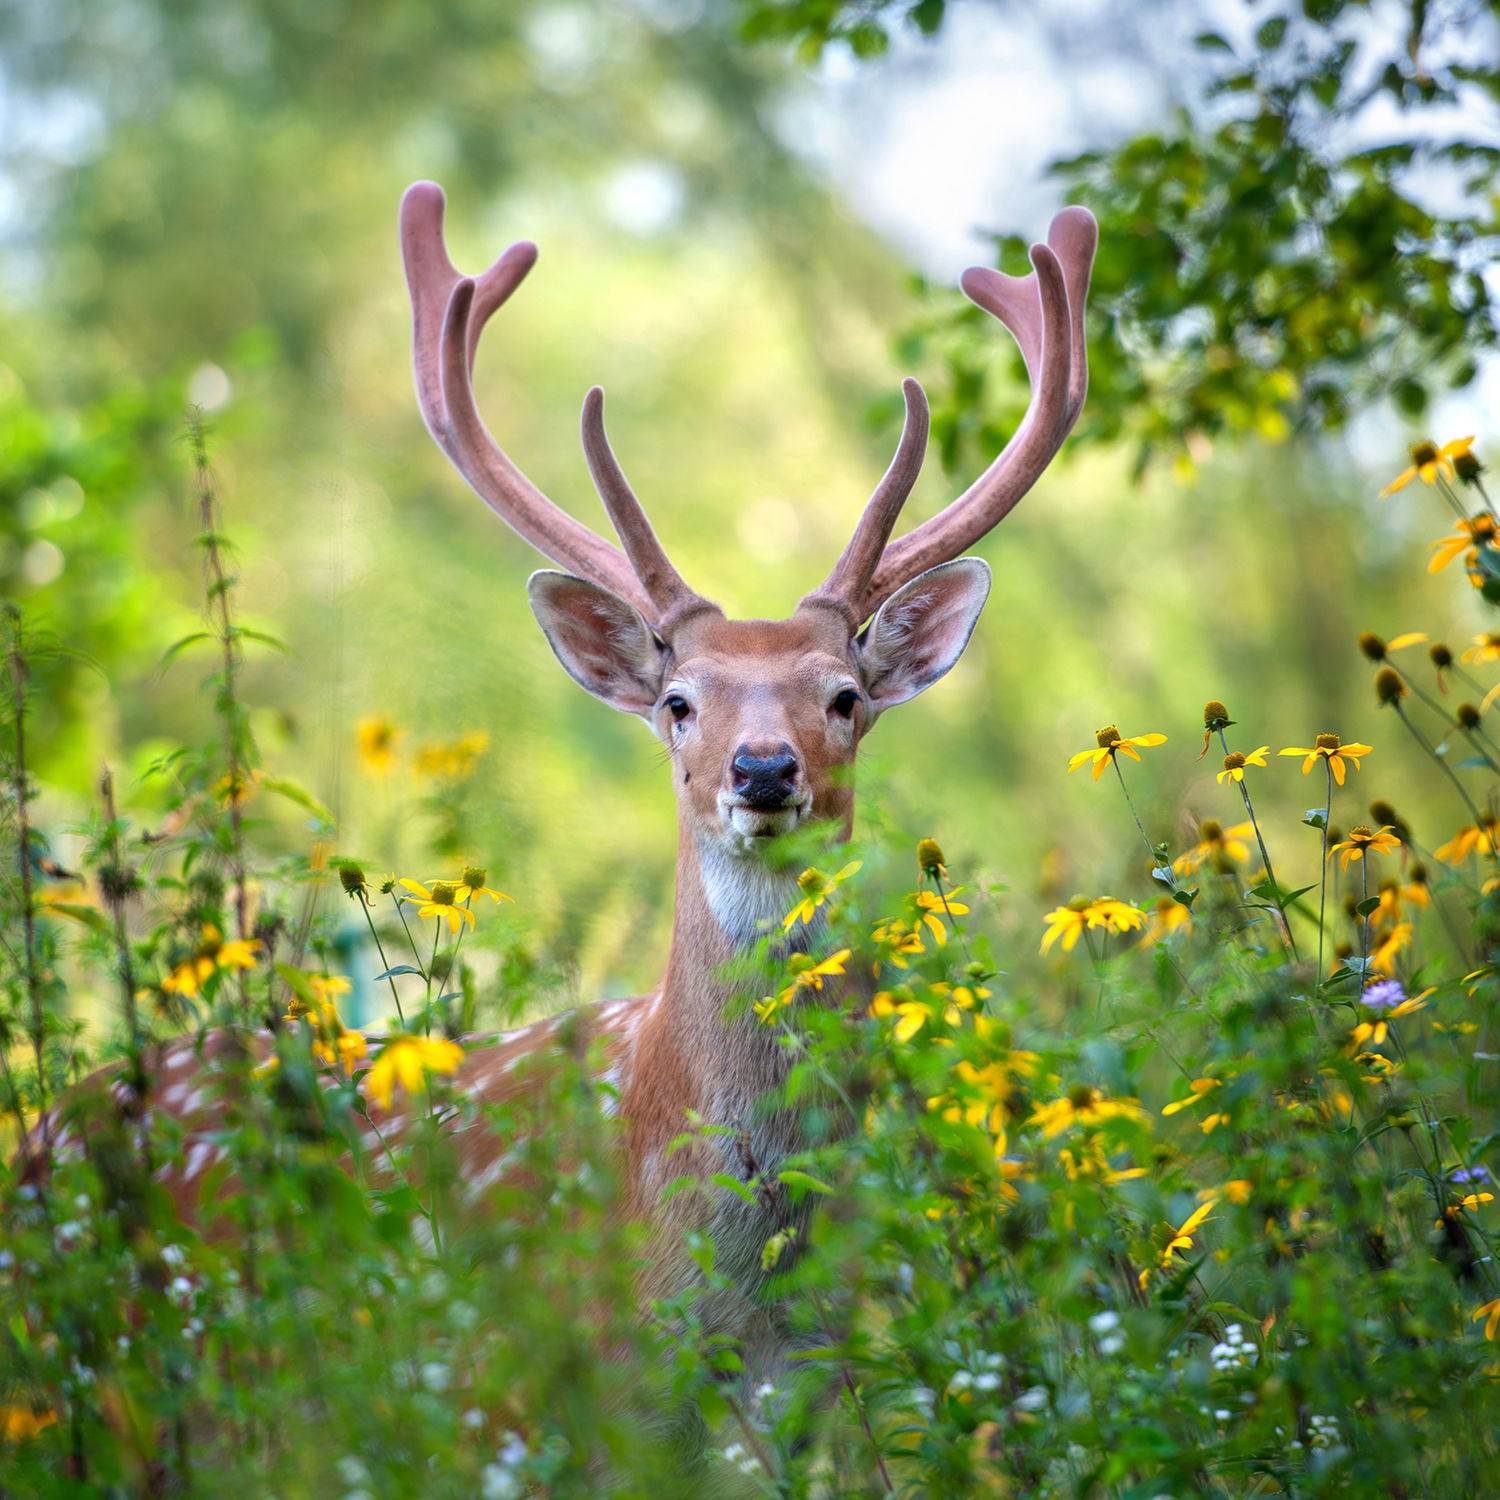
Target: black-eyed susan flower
point(1330, 748)
point(816, 888)
point(1215, 721)
point(1491, 1312)
point(1224, 846)
point(1070, 921)
point(328, 987)
point(441, 901)
point(1169, 1240)
point(1485, 648)
point(1166, 917)
point(212, 953)
point(1383, 959)
point(1469, 536)
point(1377, 649)
point(807, 974)
point(911, 1014)
point(1469, 1203)
point(1363, 841)
point(1482, 838)
point(898, 940)
point(930, 908)
point(453, 759)
point(1110, 745)
point(1198, 1090)
point(234, 787)
point(1389, 688)
point(1466, 465)
point(1394, 897)
point(1427, 462)
point(1235, 763)
point(375, 743)
point(407, 1060)
point(471, 884)
point(1083, 1105)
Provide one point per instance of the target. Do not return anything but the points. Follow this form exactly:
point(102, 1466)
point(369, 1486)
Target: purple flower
point(1469, 1174)
point(1385, 995)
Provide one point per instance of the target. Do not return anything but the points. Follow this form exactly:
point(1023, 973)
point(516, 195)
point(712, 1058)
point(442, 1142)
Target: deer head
point(762, 718)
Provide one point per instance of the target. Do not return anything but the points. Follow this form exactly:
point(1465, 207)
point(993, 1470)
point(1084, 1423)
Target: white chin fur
point(756, 823)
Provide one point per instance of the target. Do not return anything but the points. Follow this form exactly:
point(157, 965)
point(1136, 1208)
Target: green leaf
point(733, 1185)
point(244, 633)
point(297, 982)
point(1211, 41)
point(1186, 898)
point(1271, 35)
point(294, 791)
point(804, 1181)
point(1368, 905)
point(90, 916)
point(399, 969)
point(1474, 763)
point(1314, 818)
point(178, 647)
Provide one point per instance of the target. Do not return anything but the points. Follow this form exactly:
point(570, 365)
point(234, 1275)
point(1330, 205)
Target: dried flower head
point(1215, 715)
point(1467, 715)
point(1389, 687)
point(930, 858)
point(1440, 655)
point(352, 878)
point(1372, 645)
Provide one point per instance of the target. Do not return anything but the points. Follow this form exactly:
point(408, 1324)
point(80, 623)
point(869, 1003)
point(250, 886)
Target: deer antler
point(1044, 312)
point(449, 312)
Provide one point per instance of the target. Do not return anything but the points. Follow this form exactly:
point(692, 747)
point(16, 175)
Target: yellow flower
point(1383, 958)
point(407, 1060)
point(1219, 843)
point(328, 987)
point(472, 884)
point(816, 888)
point(1166, 917)
point(441, 901)
point(1178, 1239)
point(899, 938)
point(1083, 1106)
point(1470, 1201)
point(913, 1014)
point(1361, 842)
point(1334, 752)
point(928, 904)
point(1490, 1311)
point(1427, 462)
point(1485, 648)
point(19, 1424)
point(347, 1048)
point(1110, 745)
point(1483, 839)
point(453, 760)
point(1235, 763)
point(807, 975)
point(233, 787)
point(1068, 922)
point(375, 741)
point(1199, 1088)
point(1470, 536)
point(1392, 895)
point(188, 976)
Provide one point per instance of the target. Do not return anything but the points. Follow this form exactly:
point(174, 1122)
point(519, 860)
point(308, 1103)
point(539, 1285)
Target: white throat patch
point(746, 898)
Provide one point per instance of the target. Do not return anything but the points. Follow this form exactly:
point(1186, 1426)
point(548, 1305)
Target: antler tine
point(1044, 312)
point(653, 567)
point(449, 312)
point(846, 585)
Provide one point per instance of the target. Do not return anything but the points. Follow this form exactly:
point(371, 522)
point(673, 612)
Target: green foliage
point(1258, 274)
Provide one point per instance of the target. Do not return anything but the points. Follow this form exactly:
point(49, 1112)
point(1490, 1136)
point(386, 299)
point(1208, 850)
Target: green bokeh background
point(216, 185)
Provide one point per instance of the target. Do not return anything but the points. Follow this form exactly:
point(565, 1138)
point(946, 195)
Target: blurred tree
point(1268, 267)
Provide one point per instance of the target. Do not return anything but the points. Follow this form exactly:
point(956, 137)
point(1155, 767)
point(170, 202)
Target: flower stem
point(390, 979)
point(1441, 763)
point(1323, 871)
point(1286, 926)
point(1364, 918)
point(1172, 881)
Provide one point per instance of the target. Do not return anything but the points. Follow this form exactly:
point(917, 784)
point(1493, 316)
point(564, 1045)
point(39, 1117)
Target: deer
point(761, 721)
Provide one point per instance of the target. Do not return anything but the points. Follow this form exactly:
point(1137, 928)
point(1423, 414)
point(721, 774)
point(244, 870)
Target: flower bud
point(352, 878)
point(1388, 685)
point(1467, 715)
point(1467, 467)
point(1418, 873)
point(930, 858)
point(1372, 645)
point(1440, 655)
point(1215, 715)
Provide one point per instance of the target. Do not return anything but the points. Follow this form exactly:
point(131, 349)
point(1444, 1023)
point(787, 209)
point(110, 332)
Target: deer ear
point(921, 630)
point(604, 644)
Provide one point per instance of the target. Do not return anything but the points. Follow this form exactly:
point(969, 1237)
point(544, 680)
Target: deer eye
point(678, 707)
point(843, 705)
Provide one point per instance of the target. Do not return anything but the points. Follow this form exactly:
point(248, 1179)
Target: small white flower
point(463, 1314)
point(961, 1381)
point(82, 1203)
point(513, 1449)
point(173, 1255)
point(434, 1375)
point(1032, 1400)
point(734, 1452)
point(497, 1482)
point(1111, 1345)
point(181, 1291)
point(1222, 1414)
point(764, 1391)
point(473, 1419)
point(7, 1260)
point(352, 1469)
point(1105, 1322)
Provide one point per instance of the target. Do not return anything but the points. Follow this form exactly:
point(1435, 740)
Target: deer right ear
point(604, 644)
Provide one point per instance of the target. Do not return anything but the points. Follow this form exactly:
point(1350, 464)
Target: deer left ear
point(604, 643)
point(921, 630)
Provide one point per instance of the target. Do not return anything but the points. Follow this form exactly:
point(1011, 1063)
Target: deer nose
point(764, 780)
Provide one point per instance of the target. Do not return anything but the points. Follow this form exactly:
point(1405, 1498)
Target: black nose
point(764, 780)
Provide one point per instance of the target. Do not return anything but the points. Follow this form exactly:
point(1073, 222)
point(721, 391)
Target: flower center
point(1215, 715)
point(1234, 761)
point(1108, 736)
point(1359, 834)
point(1424, 453)
point(474, 877)
point(1326, 742)
point(1082, 1097)
point(811, 883)
point(443, 894)
point(1211, 830)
